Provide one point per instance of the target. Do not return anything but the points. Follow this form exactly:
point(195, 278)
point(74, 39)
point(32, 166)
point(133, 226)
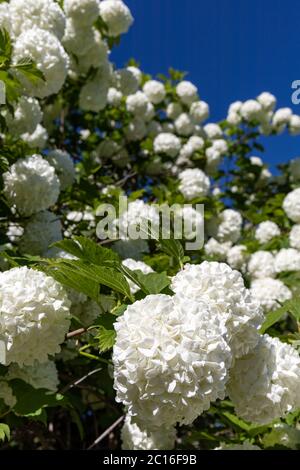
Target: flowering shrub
point(191, 348)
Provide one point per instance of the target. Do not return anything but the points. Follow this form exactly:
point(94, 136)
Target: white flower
point(155, 91)
point(64, 167)
point(193, 183)
point(134, 265)
point(127, 80)
point(294, 169)
point(184, 124)
point(43, 14)
point(40, 232)
point(77, 38)
point(137, 104)
point(264, 385)
point(135, 221)
point(170, 360)
point(192, 222)
point(217, 249)
point(154, 128)
point(261, 264)
point(294, 237)
point(281, 118)
point(267, 100)
point(38, 139)
point(187, 92)
point(294, 124)
point(287, 259)
point(233, 118)
point(226, 227)
point(93, 94)
point(133, 438)
point(291, 205)
point(136, 130)
point(114, 97)
point(174, 110)
point(251, 110)
point(48, 54)
point(34, 315)
point(199, 111)
point(167, 143)
point(221, 287)
point(5, 17)
point(27, 115)
point(38, 375)
point(137, 73)
point(85, 12)
point(270, 293)
point(116, 15)
point(256, 161)
point(237, 257)
point(168, 127)
point(284, 435)
point(213, 131)
point(31, 185)
point(131, 248)
point(214, 153)
point(6, 394)
point(267, 230)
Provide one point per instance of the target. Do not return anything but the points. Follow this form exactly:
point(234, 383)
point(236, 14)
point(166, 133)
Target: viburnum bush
point(162, 346)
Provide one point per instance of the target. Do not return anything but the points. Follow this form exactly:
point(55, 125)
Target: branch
point(107, 432)
point(78, 381)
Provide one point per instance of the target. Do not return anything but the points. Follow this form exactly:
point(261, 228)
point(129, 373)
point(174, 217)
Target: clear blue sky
point(232, 49)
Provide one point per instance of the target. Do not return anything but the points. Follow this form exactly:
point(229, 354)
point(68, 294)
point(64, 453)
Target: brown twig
point(76, 382)
point(107, 432)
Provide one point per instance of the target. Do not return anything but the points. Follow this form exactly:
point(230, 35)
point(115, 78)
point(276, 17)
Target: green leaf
point(271, 318)
point(5, 46)
point(29, 69)
point(293, 307)
point(30, 400)
point(173, 248)
point(87, 250)
point(106, 339)
point(4, 432)
point(153, 283)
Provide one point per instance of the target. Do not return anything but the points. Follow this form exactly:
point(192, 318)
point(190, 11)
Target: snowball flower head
point(266, 231)
point(220, 286)
point(43, 14)
point(85, 12)
point(187, 92)
point(127, 80)
point(237, 257)
point(155, 91)
point(294, 237)
point(267, 100)
point(50, 57)
point(38, 139)
point(136, 130)
point(114, 97)
point(251, 110)
point(170, 360)
point(287, 259)
point(174, 110)
point(264, 385)
point(133, 438)
point(167, 143)
point(134, 265)
point(217, 249)
point(193, 183)
point(27, 115)
point(199, 111)
point(116, 15)
point(261, 264)
point(139, 216)
point(192, 221)
point(227, 226)
point(291, 205)
point(34, 315)
point(294, 124)
point(213, 131)
point(40, 232)
point(39, 375)
point(281, 118)
point(270, 293)
point(93, 94)
point(31, 185)
point(64, 167)
point(184, 124)
point(137, 103)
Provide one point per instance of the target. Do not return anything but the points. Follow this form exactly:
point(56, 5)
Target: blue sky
point(232, 49)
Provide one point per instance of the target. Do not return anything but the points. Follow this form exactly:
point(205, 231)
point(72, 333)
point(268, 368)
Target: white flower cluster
point(139, 217)
point(267, 230)
point(31, 185)
point(27, 115)
point(34, 315)
point(264, 385)
point(226, 227)
point(38, 375)
point(41, 230)
point(133, 438)
point(64, 166)
point(193, 183)
point(170, 360)
point(270, 293)
point(116, 15)
point(291, 205)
